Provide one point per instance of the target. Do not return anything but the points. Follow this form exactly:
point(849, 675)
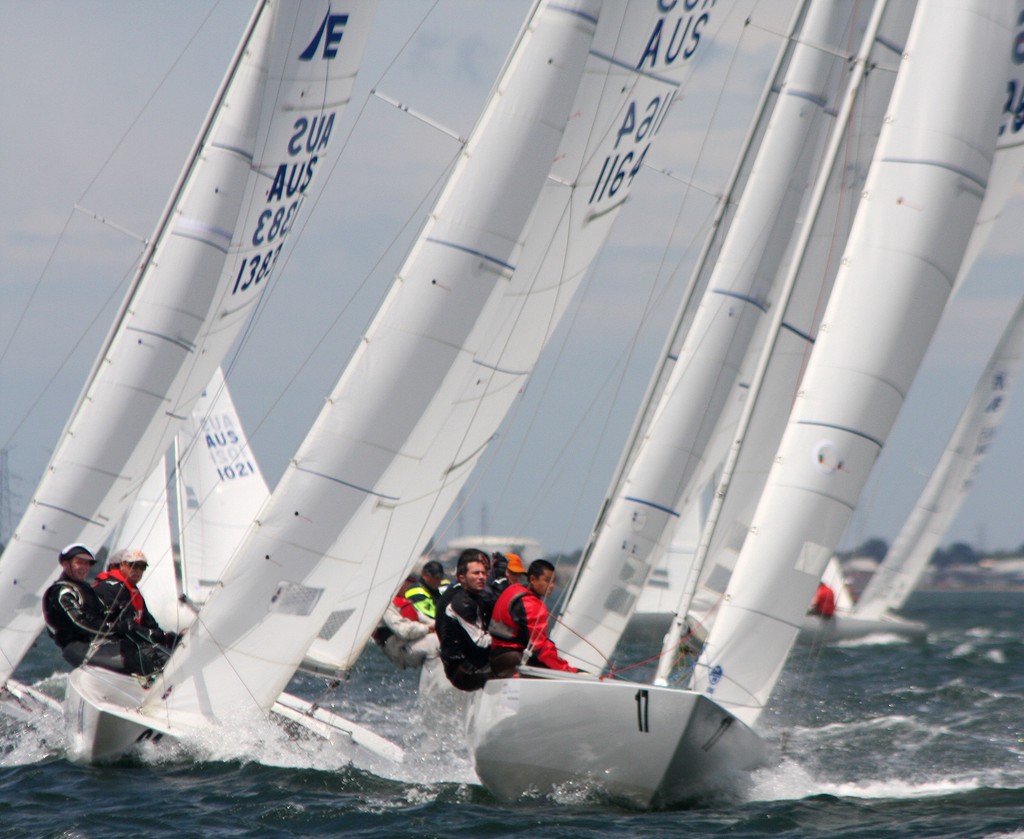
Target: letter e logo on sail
point(331, 29)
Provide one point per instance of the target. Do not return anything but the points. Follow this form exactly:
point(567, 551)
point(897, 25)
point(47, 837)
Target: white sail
point(792, 346)
point(921, 200)
point(283, 584)
point(630, 79)
point(950, 482)
point(220, 489)
point(639, 517)
point(147, 527)
point(213, 253)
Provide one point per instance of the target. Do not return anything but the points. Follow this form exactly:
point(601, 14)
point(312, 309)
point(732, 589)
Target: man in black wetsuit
point(78, 621)
point(462, 624)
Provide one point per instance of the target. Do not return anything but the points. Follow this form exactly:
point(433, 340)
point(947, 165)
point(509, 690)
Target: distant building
point(527, 548)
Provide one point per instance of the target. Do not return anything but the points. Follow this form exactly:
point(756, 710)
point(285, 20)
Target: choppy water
point(874, 740)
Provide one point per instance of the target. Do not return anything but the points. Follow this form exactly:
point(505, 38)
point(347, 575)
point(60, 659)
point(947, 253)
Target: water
point(873, 740)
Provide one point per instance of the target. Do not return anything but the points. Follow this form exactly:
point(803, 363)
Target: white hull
point(840, 627)
point(103, 723)
point(99, 725)
point(647, 745)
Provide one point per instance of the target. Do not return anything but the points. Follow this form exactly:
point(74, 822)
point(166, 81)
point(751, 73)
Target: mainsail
point(213, 253)
point(631, 77)
point(920, 203)
point(283, 584)
point(638, 519)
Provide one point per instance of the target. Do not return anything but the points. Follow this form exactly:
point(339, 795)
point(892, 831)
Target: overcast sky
point(102, 102)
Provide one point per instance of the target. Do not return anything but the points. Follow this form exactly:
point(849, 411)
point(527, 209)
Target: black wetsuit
point(465, 644)
point(76, 618)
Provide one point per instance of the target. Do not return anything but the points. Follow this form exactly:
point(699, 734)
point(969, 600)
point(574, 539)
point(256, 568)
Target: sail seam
point(472, 251)
point(188, 346)
point(654, 505)
point(347, 484)
point(616, 62)
point(941, 164)
point(745, 298)
point(852, 431)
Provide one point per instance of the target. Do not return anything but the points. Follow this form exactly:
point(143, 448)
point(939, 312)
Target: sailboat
point(937, 160)
point(950, 482)
point(210, 258)
point(457, 336)
point(238, 656)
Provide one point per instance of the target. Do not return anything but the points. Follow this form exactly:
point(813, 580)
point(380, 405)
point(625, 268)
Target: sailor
point(407, 636)
point(462, 625)
point(118, 588)
point(506, 569)
point(520, 623)
point(426, 593)
point(824, 602)
point(77, 619)
point(514, 570)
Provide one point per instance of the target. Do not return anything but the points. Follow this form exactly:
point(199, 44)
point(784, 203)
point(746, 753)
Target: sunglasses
point(142, 565)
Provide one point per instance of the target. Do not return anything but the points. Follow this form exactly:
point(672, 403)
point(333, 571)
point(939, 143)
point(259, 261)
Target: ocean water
point(884, 739)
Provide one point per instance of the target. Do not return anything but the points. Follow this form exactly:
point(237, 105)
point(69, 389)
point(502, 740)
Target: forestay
point(284, 582)
point(268, 134)
point(921, 200)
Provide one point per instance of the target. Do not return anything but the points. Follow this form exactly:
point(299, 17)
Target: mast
point(641, 516)
point(923, 192)
point(212, 255)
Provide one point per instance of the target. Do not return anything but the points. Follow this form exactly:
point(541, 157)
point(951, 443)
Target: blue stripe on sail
point(651, 504)
point(843, 428)
point(473, 252)
point(187, 346)
point(576, 12)
point(611, 59)
point(742, 297)
point(940, 164)
point(798, 332)
point(806, 95)
point(356, 487)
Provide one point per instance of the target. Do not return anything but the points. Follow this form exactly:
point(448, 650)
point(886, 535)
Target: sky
point(103, 101)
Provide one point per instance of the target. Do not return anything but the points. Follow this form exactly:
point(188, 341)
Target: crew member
point(407, 636)
point(425, 594)
point(77, 619)
point(118, 589)
point(824, 602)
point(462, 624)
point(520, 623)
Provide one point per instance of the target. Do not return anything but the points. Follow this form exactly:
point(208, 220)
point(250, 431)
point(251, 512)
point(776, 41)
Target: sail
point(629, 82)
point(788, 355)
point(213, 253)
point(951, 481)
point(910, 235)
point(147, 527)
point(640, 516)
point(282, 585)
point(220, 489)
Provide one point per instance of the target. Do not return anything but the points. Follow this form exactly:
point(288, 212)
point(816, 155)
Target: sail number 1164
point(621, 166)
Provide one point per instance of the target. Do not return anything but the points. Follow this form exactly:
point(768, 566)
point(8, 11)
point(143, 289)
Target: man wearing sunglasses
point(118, 588)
